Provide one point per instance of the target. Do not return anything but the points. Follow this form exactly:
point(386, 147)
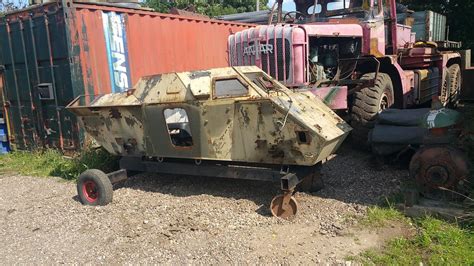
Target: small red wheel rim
point(90, 191)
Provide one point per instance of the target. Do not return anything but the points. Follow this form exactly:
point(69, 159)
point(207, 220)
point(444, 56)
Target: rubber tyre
point(368, 103)
point(454, 83)
point(94, 188)
point(445, 93)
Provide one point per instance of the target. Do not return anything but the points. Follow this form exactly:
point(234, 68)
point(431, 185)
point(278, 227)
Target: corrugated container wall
point(428, 25)
point(52, 53)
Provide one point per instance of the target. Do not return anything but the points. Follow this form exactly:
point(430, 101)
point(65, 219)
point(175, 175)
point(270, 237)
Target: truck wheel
point(445, 94)
point(94, 188)
point(454, 83)
point(368, 103)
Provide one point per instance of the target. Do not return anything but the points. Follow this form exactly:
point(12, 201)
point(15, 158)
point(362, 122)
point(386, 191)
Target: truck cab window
point(179, 128)
point(314, 10)
point(232, 87)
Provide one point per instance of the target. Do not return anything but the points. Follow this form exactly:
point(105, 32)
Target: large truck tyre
point(455, 81)
point(451, 89)
point(368, 103)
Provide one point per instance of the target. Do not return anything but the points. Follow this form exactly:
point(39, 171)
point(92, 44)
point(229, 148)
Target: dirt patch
point(168, 219)
point(303, 245)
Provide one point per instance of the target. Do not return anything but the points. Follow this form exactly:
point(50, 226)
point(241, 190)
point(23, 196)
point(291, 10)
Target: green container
point(428, 25)
point(37, 79)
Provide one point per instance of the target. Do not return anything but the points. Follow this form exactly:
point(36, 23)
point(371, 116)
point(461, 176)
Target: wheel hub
point(437, 176)
point(439, 167)
point(384, 102)
point(90, 191)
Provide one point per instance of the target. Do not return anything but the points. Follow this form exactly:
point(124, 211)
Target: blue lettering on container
point(117, 51)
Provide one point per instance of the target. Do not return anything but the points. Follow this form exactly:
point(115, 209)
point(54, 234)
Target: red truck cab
point(359, 56)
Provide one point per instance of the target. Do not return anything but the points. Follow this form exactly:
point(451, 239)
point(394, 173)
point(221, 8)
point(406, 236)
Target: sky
point(288, 5)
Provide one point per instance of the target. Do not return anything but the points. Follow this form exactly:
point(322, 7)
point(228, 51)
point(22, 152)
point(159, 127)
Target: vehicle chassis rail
point(288, 180)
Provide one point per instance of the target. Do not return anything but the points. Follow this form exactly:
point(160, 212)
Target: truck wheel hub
point(437, 175)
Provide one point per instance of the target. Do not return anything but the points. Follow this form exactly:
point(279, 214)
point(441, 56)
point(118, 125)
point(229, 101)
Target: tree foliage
point(460, 15)
point(211, 7)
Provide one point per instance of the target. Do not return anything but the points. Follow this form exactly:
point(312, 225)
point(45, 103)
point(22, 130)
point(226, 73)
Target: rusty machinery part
point(313, 181)
point(436, 167)
point(284, 206)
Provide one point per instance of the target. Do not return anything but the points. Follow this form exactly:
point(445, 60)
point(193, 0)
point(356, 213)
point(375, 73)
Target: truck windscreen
point(332, 8)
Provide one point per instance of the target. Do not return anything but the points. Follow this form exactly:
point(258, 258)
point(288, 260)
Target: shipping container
point(54, 52)
point(428, 25)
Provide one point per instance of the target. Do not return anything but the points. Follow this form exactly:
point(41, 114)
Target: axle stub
point(312, 181)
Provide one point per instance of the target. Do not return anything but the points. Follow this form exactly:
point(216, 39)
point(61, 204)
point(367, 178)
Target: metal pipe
point(17, 91)
point(283, 44)
point(280, 10)
point(53, 82)
point(35, 57)
point(313, 16)
point(275, 51)
point(249, 56)
point(268, 54)
point(270, 18)
point(393, 25)
point(32, 105)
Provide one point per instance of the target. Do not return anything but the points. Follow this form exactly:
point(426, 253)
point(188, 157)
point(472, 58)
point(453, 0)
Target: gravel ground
point(165, 219)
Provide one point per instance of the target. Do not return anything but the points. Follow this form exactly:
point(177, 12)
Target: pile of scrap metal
point(257, 17)
point(190, 11)
point(228, 122)
point(439, 166)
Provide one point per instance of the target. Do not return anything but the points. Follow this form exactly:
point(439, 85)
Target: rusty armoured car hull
point(245, 124)
point(236, 116)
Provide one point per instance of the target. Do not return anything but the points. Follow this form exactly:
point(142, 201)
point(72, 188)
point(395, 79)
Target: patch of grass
point(53, 163)
point(437, 242)
point(379, 216)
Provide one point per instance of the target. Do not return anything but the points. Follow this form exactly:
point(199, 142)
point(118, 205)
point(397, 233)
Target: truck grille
point(272, 49)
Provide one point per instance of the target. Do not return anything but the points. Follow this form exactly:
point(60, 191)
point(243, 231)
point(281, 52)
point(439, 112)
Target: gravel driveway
point(166, 219)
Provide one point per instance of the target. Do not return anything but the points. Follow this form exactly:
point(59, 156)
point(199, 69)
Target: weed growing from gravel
point(379, 217)
point(53, 163)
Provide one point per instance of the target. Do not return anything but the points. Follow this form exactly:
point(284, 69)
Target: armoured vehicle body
point(215, 118)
